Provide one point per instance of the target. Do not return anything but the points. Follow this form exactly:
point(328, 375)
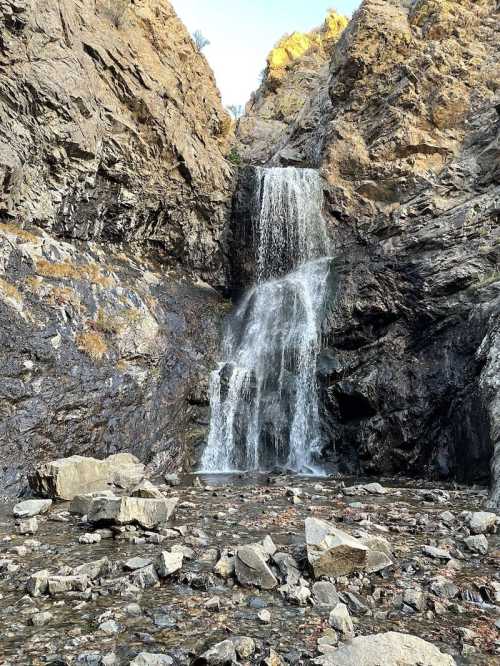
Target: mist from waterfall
point(264, 394)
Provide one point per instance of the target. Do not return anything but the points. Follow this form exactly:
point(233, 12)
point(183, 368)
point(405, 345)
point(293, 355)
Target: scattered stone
point(89, 538)
point(389, 649)
point(477, 543)
point(436, 553)
point(332, 552)
point(150, 659)
point(481, 522)
point(244, 646)
point(251, 568)
point(145, 577)
point(365, 489)
point(220, 654)
point(444, 588)
point(94, 569)
point(30, 508)
point(110, 627)
point(340, 620)
point(41, 619)
point(29, 526)
point(137, 563)
point(147, 513)
point(169, 563)
point(264, 616)
point(77, 475)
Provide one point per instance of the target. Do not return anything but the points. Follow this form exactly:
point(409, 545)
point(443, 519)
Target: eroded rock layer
point(114, 192)
point(410, 153)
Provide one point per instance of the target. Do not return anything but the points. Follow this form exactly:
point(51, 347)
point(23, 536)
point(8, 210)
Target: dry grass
point(34, 282)
point(65, 296)
point(10, 291)
point(17, 231)
point(116, 323)
point(70, 271)
point(92, 343)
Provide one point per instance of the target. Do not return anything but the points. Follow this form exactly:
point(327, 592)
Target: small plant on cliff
point(234, 157)
point(92, 343)
point(116, 10)
point(200, 40)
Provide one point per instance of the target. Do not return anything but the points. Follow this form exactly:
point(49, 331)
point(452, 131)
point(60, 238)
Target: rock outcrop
point(114, 191)
point(409, 147)
point(293, 92)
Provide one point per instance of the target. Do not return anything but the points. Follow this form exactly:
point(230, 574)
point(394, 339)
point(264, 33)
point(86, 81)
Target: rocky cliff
point(114, 193)
point(409, 147)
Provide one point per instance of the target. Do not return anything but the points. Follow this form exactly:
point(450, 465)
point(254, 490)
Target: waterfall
point(263, 394)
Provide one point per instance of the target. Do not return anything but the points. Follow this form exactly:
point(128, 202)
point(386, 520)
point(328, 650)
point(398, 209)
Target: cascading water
point(263, 394)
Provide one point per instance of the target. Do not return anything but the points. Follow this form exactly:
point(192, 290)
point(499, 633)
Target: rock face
point(391, 649)
point(112, 142)
point(293, 82)
point(409, 149)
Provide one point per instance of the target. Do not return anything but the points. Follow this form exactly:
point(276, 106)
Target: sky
point(242, 32)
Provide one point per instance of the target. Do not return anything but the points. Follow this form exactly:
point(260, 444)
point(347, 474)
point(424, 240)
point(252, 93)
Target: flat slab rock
point(332, 552)
point(30, 508)
point(67, 477)
point(251, 568)
point(388, 649)
point(147, 513)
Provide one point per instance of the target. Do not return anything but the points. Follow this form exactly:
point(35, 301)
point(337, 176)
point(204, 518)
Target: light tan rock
point(147, 513)
point(332, 552)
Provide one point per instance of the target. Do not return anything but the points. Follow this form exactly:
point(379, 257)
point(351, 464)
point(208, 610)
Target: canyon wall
point(408, 143)
point(114, 194)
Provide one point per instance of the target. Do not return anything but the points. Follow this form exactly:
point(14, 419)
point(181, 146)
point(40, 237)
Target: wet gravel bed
point(195, 608)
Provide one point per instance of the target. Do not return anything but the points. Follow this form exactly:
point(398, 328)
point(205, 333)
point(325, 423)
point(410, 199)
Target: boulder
point(219, 655)
point(147, 513)
point(365, 489)
point(387, 649)
point(77, 475)
point(59, 584)
point(168, 563)
point(482, 521)
point(340, 620)
point(332, 552)
point(31, 508)
point(477, 543)
point(80, 504)
point(251, 568)
point(147, 490)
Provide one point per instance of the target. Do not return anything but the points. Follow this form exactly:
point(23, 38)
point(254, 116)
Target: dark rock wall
point(114, 196)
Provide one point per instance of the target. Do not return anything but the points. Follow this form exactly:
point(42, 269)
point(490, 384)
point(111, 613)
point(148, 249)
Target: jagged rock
point(60, 584)
point(225, 566)
point(31, 508)
point(221, 654)
point(147, 513)
point(38, 583)
point(94, 569)
point(325, 594)
point(41, 619)
point(442, 587)
point(288, 567)
point(137, 563)
point(481, 522)
point(365, 489)
point(436, 553)
point(81, 504)
point(67, 477)
point(29, 526)
point(340, 620)
point(145, 577)
point(89, 538)
point(169, 563)
point(251, 568)
point(147, 490)
point(391, 649)
point(332, 552)
point(244, 646)
point(477, 543)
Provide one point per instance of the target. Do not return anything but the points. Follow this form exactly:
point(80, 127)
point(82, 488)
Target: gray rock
point(110, 627)
point(145, 577)
point(416, 599)
point(81, 504)
point(147, 513)
point(41, 619)
point(147, 490)
point(38, 583)
point(325, 594)
point(151, 659)
point(169, 563)
point(340, 620)
point(365, 489)
point(244, 646)
point(477, 543)
point(481, 522)
point(77, 475)
point(436, 553)
point(220, 654)
point(30, 508)
point(60, 584)
point(332, 552)
point(444, 588)
point(90, 538)
point(137, 563)
point(94, 569)
point(264, 616)
point(29, 526)
point(388, 649)
point(288, 567)
point(251, 568)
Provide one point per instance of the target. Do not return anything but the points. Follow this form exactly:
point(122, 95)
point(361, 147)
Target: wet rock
point(77, 475)
point(147, 490)
point(151, 659)
point(477, 543)
point(221, 654)
point(29, 526)
point(251, 568)
point(481, 522)
point(147, 513)
point(325, 594)
point(169, 563)
point(391, 649)
point(341, 621)
point(332, 552)
point(30, 508)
